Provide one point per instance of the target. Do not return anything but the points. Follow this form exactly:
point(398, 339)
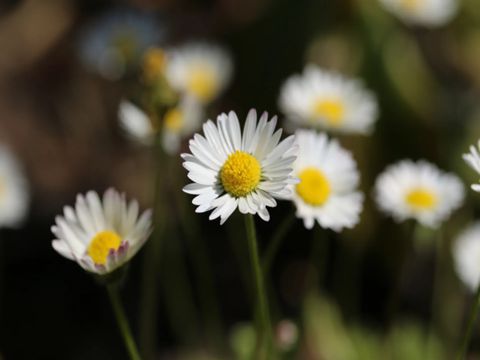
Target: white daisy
point(326, 99)
point(178, 123)
point(14, 192)
point(230, 169)
point(473, 159)
point(429, 13)
point(199, 70)
point(100, 235)
point(420, 191)
point(327, 191)
point(466, 252)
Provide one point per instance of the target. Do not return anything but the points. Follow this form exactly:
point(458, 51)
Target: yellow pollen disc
point(421, 199)
point(331, 110)
point(202, 83)
point(154, 62)
point(410, 5)
point(173, 119)
point(240, 174)
point(314, 187)
point(101, 245)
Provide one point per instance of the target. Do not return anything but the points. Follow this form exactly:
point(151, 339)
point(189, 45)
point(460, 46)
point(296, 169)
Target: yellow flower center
point(421, 199)
point(154, 62)
point(331, 110)
point(314, 187)
point(240, 174)
point(101, 245)
point(173, 119)
point(202, 83)
point(410, 5)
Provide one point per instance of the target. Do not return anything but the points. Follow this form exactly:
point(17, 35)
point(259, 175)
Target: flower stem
point(471, 322)
point(264, 338)
point(122, 322)
point(274, 244)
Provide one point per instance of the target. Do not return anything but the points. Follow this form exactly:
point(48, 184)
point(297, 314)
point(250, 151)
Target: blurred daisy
point(466, 252)
point(327, 191)
point(154, 64)
point(116, 40)
point(429, 13)
point(326, 99)
point(200, 70)
point(473, 159)
point(14, 192)
point(230, 169)
point(101, 235)
point(178, 123)
point(420, 191)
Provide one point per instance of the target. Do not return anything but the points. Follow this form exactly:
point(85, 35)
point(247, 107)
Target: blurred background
point(59, 97)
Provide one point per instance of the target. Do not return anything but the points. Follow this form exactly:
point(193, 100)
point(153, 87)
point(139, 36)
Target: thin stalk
point(471, 323)
point(122, 322)
point(264, 331)
point(150, 271)
point(318, 259)
point(275, 242)
point(437, 282)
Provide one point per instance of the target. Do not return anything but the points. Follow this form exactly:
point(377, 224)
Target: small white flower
point(177, 123)
point(466, 255)
point(420, 191)
point(135, 122)
point(14, 192)
point(100, 235)
point(326, 99)
point(429, 13)
point(473, 159)
point(327, 191)
point(230, 169)
point(199, 70)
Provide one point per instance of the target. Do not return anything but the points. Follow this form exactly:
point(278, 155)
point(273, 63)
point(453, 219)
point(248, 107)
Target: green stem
point(274, 244)
point(122, 322)
point(150, 270)
point(318, 259)
point(468, 334)
point(437, 282)
point(264, 338)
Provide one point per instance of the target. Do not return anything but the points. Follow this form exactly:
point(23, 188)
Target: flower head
point(328, 182)
point(420, 191)
point(199, 70)
point(466, 252)
point(429, 13)
point(101, 235)
point(473, 159)
point(325, 99)
point(230, 169)
point(14, 192)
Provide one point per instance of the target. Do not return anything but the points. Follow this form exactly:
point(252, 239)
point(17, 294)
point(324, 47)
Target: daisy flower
point(230, 169)
point(466, 252)
point(420, 191)
point(101, 235)
point(473, 159)
point(14, 192)
point(326, 99)
point(178, 123)
point(327, 191)
point(200, 70)
point(116, 40)
point(429, 13)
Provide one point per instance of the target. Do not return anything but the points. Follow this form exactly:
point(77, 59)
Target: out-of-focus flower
point(199, 70)
point(428, 13)
point(473, 159)
point(328, 181)
point(100, 235)
point(420, 191)
point(230, 169)
point(116, 41)
point(286, 334)
point(177, 123)
point(325, 99)
point(14, 192)
point(154, 64)
point(135, 122)
point(466, 252)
